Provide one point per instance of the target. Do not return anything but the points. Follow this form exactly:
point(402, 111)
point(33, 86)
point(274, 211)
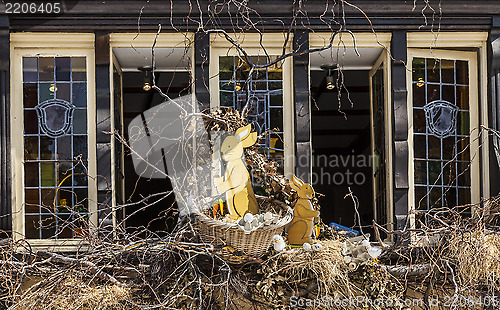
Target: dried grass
point(326, 268)
point(477, 256)
point(75, 293)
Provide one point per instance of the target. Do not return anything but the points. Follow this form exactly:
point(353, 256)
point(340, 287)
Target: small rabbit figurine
point(236, 181)
point(301, 227)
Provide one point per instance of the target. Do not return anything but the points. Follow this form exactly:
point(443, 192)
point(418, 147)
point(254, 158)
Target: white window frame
point(384, 62)
point(441, 45)
point(253, 44)
point(49, 44)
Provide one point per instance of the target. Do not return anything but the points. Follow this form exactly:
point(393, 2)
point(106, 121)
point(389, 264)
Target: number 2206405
point(33, 8)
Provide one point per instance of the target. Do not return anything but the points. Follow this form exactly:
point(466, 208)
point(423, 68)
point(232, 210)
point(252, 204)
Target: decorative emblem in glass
point(441, 117)
point(55, 117)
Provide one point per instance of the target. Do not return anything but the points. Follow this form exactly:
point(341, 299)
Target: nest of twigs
point(296, 272)
point(477, 256)
point(70, 291)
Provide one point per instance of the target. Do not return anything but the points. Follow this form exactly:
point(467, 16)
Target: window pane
point(419, 124)
point(79, 95)
point(226, 68)
point(448, 71)
point(63, 91)
point(31, 199)
point(80, 147)
point(65, 227)
point(78, 66)
point(448, 93)
point(48, 200)
point(46, 91)
point(30, 69)
point(63, 71)
point(46, 67)
point(463, 97)
point(48, 174)
point(64, 173)
point(30, 95)
point(418, 94)
point(32, 226)
point(82, 201)
point(31, 174)
point(30, 122)
point(65, 203)
point(47, 148)
point(30, 148)
point(80, 174)
point(420, 146)
point(64, 148)
point(418, 69)
point(433, 70)
point(462, 72)
point(80, 122)
point(48, 226)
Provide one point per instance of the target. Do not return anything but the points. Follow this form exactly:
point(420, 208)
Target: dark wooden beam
point(400, 130)
point(167, 90)
point(494, 115)
point(201, 69)
point(347, 88)
point(348, 112)
point(334, 132)
point(303, 149)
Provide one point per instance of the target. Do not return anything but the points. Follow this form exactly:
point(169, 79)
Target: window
point(260, 93)
point(55, 146)
point(267, 92)
point(445, 139)
point(441, 117)
point(52, 134)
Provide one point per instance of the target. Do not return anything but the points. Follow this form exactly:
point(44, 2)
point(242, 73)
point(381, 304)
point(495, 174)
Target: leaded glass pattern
point(441, 137)
point(379, 145)
point(263, 91)
point(55, 166)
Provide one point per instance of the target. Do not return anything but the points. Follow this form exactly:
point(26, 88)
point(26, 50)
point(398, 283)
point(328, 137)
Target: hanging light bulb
point(330, 79)
point(148, 78)
point(330, 83)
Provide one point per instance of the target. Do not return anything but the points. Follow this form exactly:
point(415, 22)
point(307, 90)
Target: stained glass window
point(441, 133)
point(55, 147)
point(261, 92)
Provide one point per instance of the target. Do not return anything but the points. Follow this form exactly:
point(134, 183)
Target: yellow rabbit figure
point(301, 227)
point(236, 180)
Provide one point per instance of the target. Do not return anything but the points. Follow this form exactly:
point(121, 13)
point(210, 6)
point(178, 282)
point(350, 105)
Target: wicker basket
point(254, 244)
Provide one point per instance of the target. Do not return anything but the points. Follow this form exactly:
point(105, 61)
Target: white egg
point(317, 247)
point(374, 251)
point(248, 217)
point(268, 216)
point(306, 246)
